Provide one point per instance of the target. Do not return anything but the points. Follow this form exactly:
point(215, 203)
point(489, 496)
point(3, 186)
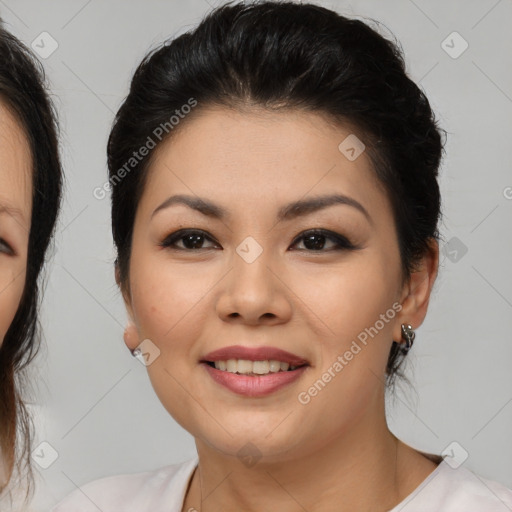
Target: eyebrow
point(287, 212)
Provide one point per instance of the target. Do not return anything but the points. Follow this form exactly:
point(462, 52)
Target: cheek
point(168, 304)
point(350, 315)
point(344, 300)
point(12, 282)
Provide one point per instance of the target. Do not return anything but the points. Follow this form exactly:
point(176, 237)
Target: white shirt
point(163, 490)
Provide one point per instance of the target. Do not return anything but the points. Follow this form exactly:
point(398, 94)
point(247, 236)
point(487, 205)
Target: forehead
point(260, 157)
point(15, 164)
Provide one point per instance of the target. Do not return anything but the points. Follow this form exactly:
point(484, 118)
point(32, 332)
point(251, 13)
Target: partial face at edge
point(15, 214)
point(311, 297)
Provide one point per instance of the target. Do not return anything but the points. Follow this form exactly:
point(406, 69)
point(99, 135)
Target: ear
point(131, 334)
point(416, 292)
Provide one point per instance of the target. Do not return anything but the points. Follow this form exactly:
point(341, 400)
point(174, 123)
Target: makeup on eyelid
point(339, 241)
point(351, 234)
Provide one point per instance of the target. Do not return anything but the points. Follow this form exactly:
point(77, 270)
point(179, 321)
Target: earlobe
point(131, 336)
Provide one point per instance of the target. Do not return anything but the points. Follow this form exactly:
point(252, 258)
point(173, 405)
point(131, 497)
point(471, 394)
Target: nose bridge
point(255, 247)
point(253, 290)
point(250, 250)
point(251, 262)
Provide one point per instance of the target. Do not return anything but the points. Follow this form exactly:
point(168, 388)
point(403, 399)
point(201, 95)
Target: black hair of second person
point(23, 91)
point(284, 56)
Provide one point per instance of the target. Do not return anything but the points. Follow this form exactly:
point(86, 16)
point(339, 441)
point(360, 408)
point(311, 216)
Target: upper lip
point(254, 354)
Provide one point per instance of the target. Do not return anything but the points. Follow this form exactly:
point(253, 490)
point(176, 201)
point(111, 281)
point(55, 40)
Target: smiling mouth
point(253, 368)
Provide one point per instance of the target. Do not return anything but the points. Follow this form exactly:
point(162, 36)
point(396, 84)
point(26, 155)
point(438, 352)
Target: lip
point(254, 386)
point(254, 354)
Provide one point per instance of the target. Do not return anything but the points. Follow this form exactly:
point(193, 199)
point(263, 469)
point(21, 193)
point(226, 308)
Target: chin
point(274, 444)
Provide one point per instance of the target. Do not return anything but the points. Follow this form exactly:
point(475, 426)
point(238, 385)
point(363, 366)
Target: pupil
point(196, 241)
point(319, 243)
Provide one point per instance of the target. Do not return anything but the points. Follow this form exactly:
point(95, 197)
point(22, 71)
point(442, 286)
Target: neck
point(366, 468)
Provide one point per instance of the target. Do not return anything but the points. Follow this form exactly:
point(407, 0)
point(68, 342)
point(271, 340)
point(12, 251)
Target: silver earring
point(408, 336)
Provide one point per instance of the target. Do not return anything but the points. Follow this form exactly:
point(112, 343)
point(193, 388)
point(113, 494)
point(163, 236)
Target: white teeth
point(274, 366)
point(232, 365)
point(246, 367)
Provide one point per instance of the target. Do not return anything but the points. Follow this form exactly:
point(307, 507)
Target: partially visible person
point(30, 192)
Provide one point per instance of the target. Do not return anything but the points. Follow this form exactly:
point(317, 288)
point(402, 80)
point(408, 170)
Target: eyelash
point(342, 243)
point(5, 244)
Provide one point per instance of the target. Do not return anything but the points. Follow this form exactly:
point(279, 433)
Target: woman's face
point(15, 212)
point(251, 275)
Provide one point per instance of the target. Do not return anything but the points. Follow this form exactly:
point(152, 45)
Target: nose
point(253, 293)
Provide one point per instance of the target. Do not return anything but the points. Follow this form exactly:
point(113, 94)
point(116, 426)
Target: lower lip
point(254, 386)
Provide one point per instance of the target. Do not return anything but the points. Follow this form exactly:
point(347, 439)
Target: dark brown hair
point(23, 92)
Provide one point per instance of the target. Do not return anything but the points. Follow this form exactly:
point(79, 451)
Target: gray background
point(94, 404)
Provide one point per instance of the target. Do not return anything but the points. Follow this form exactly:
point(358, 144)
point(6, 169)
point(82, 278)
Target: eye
point(192, 240)
point(5, 247)
point(315, 240)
